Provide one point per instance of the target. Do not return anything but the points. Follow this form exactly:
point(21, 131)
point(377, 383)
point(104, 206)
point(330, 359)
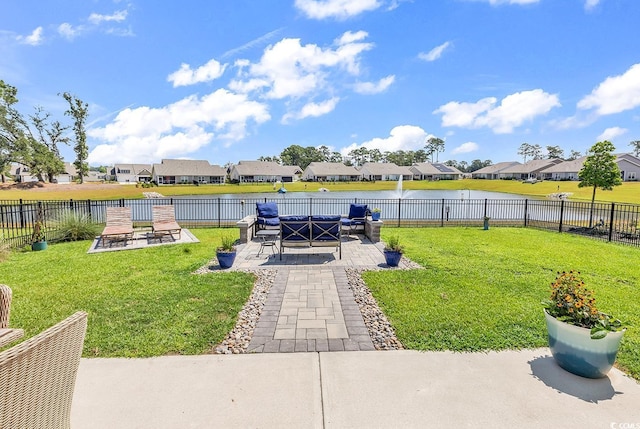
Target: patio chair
point(164, 221)
point(356, 219)
point(5, 305)
point(38, 376)
point(119, 225)
point(267, 216)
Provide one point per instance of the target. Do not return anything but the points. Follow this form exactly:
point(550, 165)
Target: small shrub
point(73, 226)
point(393, 243)
point(227, 244)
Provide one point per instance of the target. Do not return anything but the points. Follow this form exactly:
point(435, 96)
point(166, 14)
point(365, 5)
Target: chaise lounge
point(119, 225)
point(164, 221)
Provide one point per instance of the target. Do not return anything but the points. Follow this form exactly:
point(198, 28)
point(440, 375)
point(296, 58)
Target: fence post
point(561, 215)
point(89, 209)
point(219, 214)
point(485, 208)
point(121, 202)
point(611, 218)
point(526, 208)
point(442, 213)
point(21, 212)
point(399, 210)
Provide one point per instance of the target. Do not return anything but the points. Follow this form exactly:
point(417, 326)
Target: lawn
point(481, 290)
point(140, 302)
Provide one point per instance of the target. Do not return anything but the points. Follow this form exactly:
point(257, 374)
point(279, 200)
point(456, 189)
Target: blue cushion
point(333, 218)
point(267, 209)
point(269, 221)
point(297, 218)
point(357, 210)
point(345, 221)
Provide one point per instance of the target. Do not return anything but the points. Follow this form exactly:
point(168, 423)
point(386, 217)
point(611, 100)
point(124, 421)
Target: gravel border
point(380, 330)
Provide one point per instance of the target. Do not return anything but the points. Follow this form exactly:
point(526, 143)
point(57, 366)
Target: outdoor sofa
point(310, 231)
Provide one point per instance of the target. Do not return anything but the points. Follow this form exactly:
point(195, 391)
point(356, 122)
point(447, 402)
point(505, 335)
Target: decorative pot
point(38, 245)
point(392, 257)
point(375, 215)
point(575, 351)
point(225, 259)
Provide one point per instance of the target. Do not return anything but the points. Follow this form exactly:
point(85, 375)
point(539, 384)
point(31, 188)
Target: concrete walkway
point(392, 389)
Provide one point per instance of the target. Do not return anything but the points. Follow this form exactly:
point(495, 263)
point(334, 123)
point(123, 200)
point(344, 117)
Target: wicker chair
point(37, 377)
point(119, 225)
point(164, 221)
point(5, 305)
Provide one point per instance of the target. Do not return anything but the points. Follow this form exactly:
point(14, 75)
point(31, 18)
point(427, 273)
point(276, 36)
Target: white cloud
point(512, 112)
point(339, 9)
point(590, 4)
point(33, 39)
point(616, 94)
point(68, 31)
point(435, 53)
point(290, 69)
point(611, 133)
point(374, 87)
point(465, 148)
point(402, 137)
point(206, 73)
point(313, 110)
point(177, 129)
point(118, 16)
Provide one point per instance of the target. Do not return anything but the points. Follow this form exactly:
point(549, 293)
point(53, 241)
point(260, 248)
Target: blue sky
point(231, 80)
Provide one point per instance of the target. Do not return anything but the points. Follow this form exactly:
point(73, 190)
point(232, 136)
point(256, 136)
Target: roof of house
point(629, 158)
point(385, 168)
point(292, 169)
point(263, 168)
point(330, 169)
point(532, 166)
point(187, 167)
point(70, 169)
point(573, 166)
point(496, 168)
point(433, 169)
point(134, 168)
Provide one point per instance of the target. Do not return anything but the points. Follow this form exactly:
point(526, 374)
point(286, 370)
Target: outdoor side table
point(268, 238)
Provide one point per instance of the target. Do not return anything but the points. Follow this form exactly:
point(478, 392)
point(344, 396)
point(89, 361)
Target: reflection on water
point(464, 194)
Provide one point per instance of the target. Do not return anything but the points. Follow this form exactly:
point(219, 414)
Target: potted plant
point(582, 339)
point(38, 240)
point(393, 251)
point(226, 252)
point(375, 214)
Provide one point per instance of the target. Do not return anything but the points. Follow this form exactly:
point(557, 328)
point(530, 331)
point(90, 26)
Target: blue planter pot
point(575, 351)
point(38, 245)
point(225, 259)
point(392, 257)
point(375, 215)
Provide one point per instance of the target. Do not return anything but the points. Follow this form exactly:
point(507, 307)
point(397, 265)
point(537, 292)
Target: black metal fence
point(605, 221)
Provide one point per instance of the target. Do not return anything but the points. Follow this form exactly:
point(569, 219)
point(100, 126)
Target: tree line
point(34, 141)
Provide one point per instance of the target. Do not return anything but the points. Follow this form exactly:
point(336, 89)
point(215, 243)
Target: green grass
point(140, 302)
point(481, 290)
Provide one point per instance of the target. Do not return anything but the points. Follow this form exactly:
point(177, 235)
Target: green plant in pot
point(38, 239)
point(582, 339)
point(226, 252)
point(393, 251)
point(375, 214)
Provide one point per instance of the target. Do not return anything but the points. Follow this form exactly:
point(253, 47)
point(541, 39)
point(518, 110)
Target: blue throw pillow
point(267, 209)
point(357, 210)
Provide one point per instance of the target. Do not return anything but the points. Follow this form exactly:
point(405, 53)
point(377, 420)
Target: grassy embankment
point(628, 192)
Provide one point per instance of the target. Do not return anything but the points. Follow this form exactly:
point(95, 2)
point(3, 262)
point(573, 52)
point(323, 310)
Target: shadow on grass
point(545, 369)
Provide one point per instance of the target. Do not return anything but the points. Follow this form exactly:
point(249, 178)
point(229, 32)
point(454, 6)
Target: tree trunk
point(593, 199)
